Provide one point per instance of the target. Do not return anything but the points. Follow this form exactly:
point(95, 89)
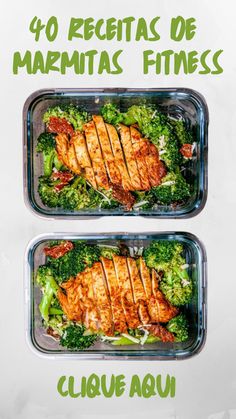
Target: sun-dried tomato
point(187, 150)
point(58, 250)
point(59, 126)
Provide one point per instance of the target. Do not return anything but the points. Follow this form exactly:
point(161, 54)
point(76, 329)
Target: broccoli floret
point(161, 254)
point(111, 114)
point(45, 278)
point(180, 131)
point(144, 199)
point(46, 145)
point(47, 192)
point(69, 198)
point(169, 151)
point(88, 253)
point(179, 327)
point(74, 337)
point(109, 252)
point(74, 261)
point(177, 286)
point(151, 122)
point(173, 188)
point(73, 114)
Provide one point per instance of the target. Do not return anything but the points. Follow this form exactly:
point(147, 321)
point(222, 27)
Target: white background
point(206, 384)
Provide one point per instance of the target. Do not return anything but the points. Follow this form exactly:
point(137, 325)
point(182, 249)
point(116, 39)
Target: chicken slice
point(115, 296)
point(119, 157)
point(72, 159)
point(141, 150)
point(101, 298)
point(156, 168)
point(62, 146)
point(112, 169)
point(146, 277)
point(129, 156)
point(137, 286)
point(138, 291)
point(91, 318)
point(96, 155)
point(143, 312)
point(160, 332)
point(83, 158)
point(127, 300)
point(71, 301)
point(159, 308)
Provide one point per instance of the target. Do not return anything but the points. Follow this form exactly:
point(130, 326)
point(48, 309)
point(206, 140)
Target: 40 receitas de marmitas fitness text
point(116, 30)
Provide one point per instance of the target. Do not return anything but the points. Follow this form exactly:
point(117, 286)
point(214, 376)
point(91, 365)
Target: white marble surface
point(206, 384)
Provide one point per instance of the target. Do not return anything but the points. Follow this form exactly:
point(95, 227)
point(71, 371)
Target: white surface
point(206, 384)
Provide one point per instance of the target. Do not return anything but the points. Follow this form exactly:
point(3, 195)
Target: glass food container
point(175, 102)
point(196, 310)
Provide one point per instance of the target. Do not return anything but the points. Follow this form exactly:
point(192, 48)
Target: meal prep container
point(195, 255)
point(178, 103)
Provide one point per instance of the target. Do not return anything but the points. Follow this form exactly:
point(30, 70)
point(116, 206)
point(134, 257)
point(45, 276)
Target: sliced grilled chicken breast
point(156, 168)
point(137, 286)
point(96, 155)
point(141, 150)
point(146, 277)
point(159, 308)
point(101, 297)
point(119, 157)
point(122, 274)
point(91, 312)
point(72, 159)
point(112, 169)
point(62, 145)
point(129, 156)
point(83, 158)
point(71, 301)
point(115, 296)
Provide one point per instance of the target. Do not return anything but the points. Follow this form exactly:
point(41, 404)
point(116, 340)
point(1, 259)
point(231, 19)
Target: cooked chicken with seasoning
point(128, 159)
point(114, 295)
point(119, 158)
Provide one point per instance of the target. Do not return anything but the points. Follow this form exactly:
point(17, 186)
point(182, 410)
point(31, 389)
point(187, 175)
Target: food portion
point(130, 160)
point(114, 294)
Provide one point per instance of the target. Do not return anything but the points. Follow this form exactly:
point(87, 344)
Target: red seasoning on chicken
point(115, 295)
point(119, 158)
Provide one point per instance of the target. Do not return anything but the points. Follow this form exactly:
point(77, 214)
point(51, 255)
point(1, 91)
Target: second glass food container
point(195, 256)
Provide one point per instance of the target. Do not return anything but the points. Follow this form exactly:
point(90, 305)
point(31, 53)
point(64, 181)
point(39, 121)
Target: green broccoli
point(47, 192)
point(169, 151)
point(74, 261)
point(74, 337)
point(73, 114)
point(109, 252)
point(161, 254)
point(45, 278)
point(87, 253)
point(183, 135)
point(151, 122)
point(173, 188)
point(177, 286)
point(46, 145)
point(111, 114)
point(144, 199)
point(179, 327)
point(80, 195)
